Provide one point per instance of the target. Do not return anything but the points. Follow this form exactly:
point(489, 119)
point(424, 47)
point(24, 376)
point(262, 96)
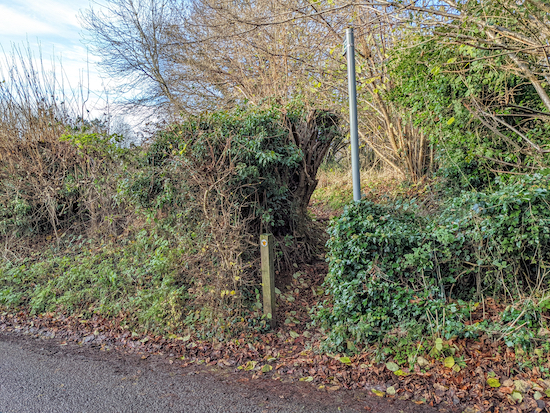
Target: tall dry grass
point(335, 187)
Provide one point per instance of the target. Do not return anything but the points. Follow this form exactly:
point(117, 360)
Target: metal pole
point(354, 139)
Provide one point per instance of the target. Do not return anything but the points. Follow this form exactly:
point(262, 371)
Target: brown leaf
point(506, 390)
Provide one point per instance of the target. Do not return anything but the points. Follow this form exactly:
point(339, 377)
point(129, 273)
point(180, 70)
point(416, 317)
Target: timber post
point(268, 277)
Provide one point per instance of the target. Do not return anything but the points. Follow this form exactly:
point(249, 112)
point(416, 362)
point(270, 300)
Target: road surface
point(43, 376)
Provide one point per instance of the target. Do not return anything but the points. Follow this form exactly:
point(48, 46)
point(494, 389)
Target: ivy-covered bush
point(469, 108)
point(269, 156)
point(224, 178)
point(394, 270)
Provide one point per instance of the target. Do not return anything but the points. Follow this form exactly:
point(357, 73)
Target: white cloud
point(50, 28)
point(14, 23)
point(63, 13)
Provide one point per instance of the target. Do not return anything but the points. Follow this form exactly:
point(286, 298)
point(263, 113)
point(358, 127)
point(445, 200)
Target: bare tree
point(293, 48)
point(215, 54)
point(130, 36)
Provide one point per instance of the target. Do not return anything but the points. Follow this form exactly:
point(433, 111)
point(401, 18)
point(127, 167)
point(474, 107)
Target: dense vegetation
point(164, 234)
point(396, 272)
point(453, 100)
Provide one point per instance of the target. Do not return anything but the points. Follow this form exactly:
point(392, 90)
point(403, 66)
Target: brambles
point(56, 168)
point(193, 201)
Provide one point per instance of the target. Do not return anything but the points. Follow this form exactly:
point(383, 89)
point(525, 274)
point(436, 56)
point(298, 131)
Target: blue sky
point(52, 27)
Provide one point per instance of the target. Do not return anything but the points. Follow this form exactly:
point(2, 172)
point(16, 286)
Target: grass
point(335, 188)
point(138, 279)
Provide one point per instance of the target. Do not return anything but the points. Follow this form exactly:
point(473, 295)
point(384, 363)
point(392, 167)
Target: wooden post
point(268, 277)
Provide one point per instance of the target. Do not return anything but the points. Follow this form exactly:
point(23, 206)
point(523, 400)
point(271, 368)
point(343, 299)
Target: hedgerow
point(206, 187)
point(395, 270)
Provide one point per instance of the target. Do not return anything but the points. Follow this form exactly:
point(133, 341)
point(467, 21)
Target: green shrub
point(268, 156)
point(395, 271)
point(229, 176)
point(467, 105)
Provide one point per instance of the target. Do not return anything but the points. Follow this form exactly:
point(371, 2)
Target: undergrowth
point(137, 278)
point(398, 274)
point(171, 226)
point(142, 279)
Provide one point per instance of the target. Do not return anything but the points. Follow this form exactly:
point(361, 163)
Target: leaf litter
point(488, 381)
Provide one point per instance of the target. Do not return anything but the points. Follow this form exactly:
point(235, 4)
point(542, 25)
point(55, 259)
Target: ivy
point(396, 271)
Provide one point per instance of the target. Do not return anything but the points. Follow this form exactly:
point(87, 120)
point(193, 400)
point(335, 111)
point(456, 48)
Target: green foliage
point(465, 175)
point(256, 149)
point(460, 98)
point(140, 281)
point(265, 157)
point(203, 189)
point(96, 143)
point(394, 271)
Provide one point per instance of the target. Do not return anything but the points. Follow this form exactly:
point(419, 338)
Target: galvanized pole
point(354, 139)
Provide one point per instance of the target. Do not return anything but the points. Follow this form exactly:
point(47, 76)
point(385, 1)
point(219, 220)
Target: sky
point(52, 28)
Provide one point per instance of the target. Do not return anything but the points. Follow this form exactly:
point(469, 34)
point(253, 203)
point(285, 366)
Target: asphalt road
point(43, 376)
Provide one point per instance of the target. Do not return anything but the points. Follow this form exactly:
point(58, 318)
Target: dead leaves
point(477, 374)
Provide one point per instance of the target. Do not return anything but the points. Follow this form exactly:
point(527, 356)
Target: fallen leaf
point(521, 386)
point(517, 396)
point(378, 392)
point(508, 383)
point(391, 366)
point(506, 390)
point(422, 362)
point(345, 360)
point(492, 382)
point(449, 362)
point(248, 366)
